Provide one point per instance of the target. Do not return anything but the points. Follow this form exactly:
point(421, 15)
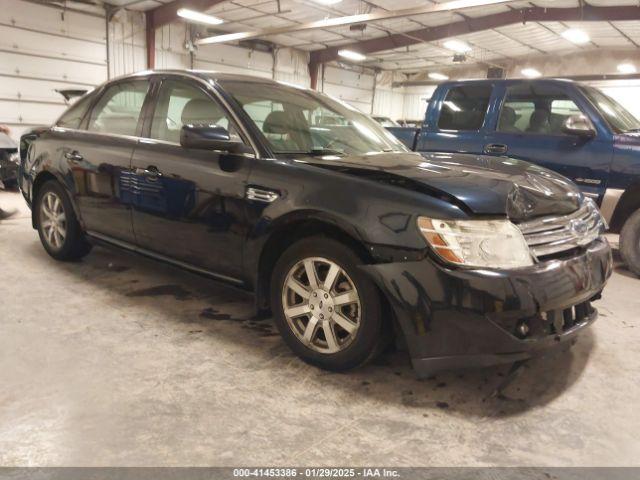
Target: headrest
point(200, 111)
point(539, 117)
point(508, 116)
point(276, 122)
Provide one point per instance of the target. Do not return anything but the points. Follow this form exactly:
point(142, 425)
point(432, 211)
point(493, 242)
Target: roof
point(511, 81)
point(204, 75)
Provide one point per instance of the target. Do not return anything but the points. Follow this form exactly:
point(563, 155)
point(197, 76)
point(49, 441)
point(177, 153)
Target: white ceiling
point(489, 46)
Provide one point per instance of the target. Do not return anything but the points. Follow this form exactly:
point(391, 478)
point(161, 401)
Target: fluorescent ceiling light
point(351, 55)
point(457, 46)
point(438, 76)
point(530, 72)
point(327, 2)
point(575, 35)
point(627, 68)
point(199, 17)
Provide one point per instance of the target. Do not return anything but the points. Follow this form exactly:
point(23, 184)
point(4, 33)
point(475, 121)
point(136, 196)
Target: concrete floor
point(118, 360)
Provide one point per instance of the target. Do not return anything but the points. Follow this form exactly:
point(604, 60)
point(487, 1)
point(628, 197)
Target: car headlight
point(477, 243)
point(15, 158)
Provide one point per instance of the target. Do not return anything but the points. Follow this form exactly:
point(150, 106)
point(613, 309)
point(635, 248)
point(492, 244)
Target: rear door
point(99, 157)
point(530, 127)
point(189, 204)
point(456, 121)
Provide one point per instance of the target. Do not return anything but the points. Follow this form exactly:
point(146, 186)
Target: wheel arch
point(41, 178)
point(629, 202)
point(293, 229)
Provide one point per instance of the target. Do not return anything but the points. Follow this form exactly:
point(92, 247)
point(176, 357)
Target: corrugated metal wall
point(127, 43)
point(351, 86)
point(42, 49)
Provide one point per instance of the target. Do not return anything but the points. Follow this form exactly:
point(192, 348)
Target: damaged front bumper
point(458, 318)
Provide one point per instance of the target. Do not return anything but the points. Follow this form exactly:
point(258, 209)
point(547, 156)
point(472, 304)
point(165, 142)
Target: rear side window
point(118, 110)
point(74, 115)
point(464, 108)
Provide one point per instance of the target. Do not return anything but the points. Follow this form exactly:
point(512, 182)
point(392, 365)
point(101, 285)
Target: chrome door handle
point(74, 156)
point(495, 148)
point(261, 195)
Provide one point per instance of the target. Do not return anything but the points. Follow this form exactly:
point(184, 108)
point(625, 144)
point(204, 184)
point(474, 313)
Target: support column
point(150, 33)
point(313, 73)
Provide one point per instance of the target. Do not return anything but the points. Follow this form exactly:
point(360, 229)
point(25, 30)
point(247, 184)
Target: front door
point(189, 204)
point(530, 127)
point(100, 159)
point(456, 123)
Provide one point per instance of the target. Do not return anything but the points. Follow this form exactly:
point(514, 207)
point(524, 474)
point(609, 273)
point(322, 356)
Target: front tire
point(57, 224)
point(630, 242)
point(326, 309)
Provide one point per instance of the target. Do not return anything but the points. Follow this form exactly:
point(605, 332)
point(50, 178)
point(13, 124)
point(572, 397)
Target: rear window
point(464, 108)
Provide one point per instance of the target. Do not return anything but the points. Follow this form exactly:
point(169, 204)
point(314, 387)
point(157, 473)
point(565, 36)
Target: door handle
point(495, 149)
point(261, 195)
point(74, 156)
point(151, 172)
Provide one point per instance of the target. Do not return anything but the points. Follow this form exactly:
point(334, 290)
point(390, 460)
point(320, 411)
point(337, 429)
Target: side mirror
point(209, 137)
point(579, 125)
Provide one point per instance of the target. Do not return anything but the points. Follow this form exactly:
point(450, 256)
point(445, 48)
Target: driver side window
point(181, 104)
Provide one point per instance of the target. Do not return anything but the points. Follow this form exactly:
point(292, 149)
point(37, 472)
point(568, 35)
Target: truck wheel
point(58, 227)
point(327, 310)
point(630, 242)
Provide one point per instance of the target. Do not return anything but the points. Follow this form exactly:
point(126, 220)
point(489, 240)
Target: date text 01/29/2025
point(316, 472)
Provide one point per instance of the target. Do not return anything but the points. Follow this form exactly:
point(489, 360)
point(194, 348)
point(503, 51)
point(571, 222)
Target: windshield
point(619, 119)
point(300, 121)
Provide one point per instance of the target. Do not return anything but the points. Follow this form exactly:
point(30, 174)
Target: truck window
point(464, 108)
point(535, 109)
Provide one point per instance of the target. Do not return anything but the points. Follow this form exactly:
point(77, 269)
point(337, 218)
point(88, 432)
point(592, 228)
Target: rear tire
point(335, 321)
point(57, 224)
point(630, 242)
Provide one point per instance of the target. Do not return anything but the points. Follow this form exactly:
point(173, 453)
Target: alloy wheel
point(321, 305)
point(53, 220)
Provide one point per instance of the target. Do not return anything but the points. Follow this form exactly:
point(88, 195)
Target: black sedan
point(349, 239)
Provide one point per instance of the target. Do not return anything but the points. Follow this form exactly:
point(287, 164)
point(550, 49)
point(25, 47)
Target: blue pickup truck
point(565, 126)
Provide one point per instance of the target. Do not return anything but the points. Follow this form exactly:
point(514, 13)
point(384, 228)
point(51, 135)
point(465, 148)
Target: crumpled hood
point(482, 185)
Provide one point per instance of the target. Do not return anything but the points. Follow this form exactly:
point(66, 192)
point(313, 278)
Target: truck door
point(456, 119)
point(530, 127)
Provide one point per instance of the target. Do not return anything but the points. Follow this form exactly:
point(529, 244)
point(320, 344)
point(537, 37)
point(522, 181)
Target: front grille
point(547, 323)
point(559, 321)
point(552, 235)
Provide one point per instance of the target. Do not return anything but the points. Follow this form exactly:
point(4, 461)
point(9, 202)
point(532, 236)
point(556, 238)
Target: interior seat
point(508, 119)
point(539, 122)
point(278, 129)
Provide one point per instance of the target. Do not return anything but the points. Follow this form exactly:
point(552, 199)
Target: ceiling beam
point(353, 19)
point(476, 24)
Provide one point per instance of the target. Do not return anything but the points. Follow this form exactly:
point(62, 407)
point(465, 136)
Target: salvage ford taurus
point(346, 236)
